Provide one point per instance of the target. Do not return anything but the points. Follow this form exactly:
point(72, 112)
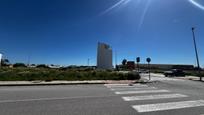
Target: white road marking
point(116, 84)
point(143, 91)
point(158, 77)
point(133, 88)
point(126, 86)
point(168, 106)
point(151, 97)
point(49, 99)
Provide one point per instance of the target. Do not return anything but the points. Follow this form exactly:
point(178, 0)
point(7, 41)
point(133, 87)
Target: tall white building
point(104, 56)
point(0, 58)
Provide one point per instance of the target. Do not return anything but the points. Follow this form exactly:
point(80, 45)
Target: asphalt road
point(165, 96)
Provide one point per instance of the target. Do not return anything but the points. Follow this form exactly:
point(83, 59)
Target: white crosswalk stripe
point(168, 106)
point(152, 93)
point(158, 77)
point(133, 88)
point(152, 97)
point(117, 84)
point(140, 92)
point(125, 86)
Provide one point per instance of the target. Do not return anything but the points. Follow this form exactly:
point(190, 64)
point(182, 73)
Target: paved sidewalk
point(194, 78)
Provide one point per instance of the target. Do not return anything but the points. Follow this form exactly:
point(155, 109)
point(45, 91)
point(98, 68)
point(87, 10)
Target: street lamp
point(148, 61)
point(138, 61)
point(196, 51)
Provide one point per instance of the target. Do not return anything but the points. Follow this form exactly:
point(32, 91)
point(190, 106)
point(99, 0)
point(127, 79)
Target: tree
point(19, 65)
point(5, 62)
point(124, 62)
point(42, 66)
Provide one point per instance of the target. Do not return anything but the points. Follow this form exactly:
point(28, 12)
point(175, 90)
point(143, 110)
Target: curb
point(48, 84)
point(73, 83)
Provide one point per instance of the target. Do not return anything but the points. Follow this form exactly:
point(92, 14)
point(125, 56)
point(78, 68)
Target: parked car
point(174, 72)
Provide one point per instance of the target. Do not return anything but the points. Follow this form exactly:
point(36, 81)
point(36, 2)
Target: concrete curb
point(42, 83)
point(47, 84)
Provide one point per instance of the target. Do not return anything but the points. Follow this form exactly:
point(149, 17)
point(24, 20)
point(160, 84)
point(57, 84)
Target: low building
point(167, 66)
point(131, 65)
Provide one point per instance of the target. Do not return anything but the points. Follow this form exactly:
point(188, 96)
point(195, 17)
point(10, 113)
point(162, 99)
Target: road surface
point(165, 96)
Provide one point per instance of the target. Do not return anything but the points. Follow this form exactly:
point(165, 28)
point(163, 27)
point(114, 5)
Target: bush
point(133, 76)
point(42, 66)
point(46, 74)
point(19, 65)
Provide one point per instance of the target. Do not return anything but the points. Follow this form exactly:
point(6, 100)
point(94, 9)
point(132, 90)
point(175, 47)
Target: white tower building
point(104, 56)
point(0, 58)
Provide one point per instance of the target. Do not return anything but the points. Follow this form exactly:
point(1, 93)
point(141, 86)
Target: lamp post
point(138, 61)
point(196, 51)
point(88, 60)
point(148, 61)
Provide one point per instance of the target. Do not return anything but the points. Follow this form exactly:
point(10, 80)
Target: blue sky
point(66, 32)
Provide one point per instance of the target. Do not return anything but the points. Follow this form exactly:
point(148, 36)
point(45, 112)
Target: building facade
point(104, 56)
point(167, 66)
point(131, 65)
point(0, 58)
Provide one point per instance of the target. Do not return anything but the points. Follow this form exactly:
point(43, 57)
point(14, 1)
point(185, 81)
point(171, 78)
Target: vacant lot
point(47, 74)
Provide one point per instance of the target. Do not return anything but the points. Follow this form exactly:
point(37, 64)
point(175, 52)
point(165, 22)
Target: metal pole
point(149, 71)
point(196, 51)
point(88, 61)
point(28, 63)
point(138, 67)
point(115, 59)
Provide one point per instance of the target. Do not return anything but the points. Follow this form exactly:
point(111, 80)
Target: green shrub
point(46, 74)
point(19, 65)
point(133, 76)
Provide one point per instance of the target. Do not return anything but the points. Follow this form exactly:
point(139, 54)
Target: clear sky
point(66, 32)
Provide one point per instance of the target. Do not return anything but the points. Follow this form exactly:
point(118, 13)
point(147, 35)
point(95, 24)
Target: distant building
point(104, 56)
point(131, 65)
point(167, 66)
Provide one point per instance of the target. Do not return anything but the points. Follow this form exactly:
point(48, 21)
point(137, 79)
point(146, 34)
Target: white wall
point(104, 56)
point(0, 58)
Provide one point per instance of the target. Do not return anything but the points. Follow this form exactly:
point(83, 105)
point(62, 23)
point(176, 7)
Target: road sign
point(148, 60)
point(138, 59)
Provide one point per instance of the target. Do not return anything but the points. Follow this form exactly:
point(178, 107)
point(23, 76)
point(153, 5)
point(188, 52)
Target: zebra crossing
point(159, 77)
point(140, 92)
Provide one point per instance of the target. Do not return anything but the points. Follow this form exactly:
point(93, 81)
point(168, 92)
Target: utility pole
point(148, 61)
point(88, 61)
point(115, 59)
point(138, 61)
point(196, 51)
point(28, 63)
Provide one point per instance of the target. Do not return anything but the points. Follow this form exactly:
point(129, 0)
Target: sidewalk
point(40, 83)
point(194, 78)
point(159, 75)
